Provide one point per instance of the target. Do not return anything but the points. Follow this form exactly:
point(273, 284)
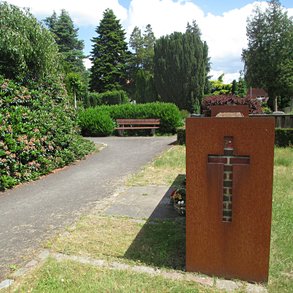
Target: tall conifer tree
point(181, 65)
point(66, 36)
point(109, 55)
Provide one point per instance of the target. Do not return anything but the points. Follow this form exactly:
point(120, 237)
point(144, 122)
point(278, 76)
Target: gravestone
point(229, 172)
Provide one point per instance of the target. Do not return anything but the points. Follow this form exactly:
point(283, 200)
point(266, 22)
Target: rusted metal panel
point(229, 201)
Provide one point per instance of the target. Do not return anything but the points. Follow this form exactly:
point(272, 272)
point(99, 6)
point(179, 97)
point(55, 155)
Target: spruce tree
point(66, 36)
point(109, 55)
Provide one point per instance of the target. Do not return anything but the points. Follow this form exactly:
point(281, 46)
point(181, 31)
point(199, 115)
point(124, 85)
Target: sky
point(222, 22)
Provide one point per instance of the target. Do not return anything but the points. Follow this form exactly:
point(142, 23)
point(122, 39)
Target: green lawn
point(157, 244)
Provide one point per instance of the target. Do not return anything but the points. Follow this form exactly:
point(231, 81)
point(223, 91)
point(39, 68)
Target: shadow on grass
point(161, 241)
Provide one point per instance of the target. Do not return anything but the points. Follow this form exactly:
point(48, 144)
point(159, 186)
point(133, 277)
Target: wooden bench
point(136, 124)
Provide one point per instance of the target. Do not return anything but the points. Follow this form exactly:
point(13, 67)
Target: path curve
point(32, 212)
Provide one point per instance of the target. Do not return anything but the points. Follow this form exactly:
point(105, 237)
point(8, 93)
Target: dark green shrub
point(38, 133)
point(284, 137)
point(94, 122)
point(181, 135)
point(107, 98)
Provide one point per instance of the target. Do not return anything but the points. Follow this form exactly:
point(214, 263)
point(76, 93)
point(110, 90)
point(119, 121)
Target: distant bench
point(136, 124)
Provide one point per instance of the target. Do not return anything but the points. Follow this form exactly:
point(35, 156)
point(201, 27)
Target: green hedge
point(95, 123)
point(107, 98)
point(168, 114)
point(37, 134)
point(283, 136)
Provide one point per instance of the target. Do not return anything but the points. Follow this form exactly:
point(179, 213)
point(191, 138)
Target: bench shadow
point(161, 240)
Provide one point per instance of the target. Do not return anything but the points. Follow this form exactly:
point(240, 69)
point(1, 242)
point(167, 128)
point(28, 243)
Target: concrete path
point(32, 212)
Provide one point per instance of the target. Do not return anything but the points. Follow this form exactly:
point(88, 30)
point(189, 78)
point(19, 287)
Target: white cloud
point(85, 12)
point(228, 77)
point(165, 16)
point(225, 34)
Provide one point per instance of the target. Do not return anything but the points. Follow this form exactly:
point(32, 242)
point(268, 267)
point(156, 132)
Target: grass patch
point(68, 276)
point(163, 170)
point(281, 259)
point(159, 243)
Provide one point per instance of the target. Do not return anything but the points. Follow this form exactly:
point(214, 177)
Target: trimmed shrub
point(168, 114)
point(116, 97)
point(284, 137)
point(37, 134)
point(95, 123)
point(253, 104)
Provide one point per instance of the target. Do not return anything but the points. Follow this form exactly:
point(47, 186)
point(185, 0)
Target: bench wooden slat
point(135, 124)
point(137, 127)
point(138, 121)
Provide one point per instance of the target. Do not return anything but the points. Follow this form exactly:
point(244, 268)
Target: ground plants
point(38, 133)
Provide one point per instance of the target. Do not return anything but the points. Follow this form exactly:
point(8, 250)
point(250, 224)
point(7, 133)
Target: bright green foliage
point(66, 36)
point(37, 134)
point(142, 87)
point(168, 114)
point(106, 98)
point(95, 123)
point(269, 56)
point(218, 87)
point(75, 86)
point(181, 65)
point(109, 55)
point(28, 52)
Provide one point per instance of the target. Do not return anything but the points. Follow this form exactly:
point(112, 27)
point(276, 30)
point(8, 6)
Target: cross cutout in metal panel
point(228, 160)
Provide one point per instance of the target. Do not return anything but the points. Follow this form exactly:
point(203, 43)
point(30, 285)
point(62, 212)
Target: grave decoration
point(229, 175)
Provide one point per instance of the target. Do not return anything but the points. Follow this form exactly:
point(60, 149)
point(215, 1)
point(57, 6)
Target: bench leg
point(153, 131)
point(120, 132)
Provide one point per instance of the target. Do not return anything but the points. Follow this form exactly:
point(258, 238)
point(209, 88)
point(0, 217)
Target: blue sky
point(222, 22)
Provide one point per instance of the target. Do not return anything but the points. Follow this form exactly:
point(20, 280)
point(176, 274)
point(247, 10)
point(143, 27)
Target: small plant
point(95, 123)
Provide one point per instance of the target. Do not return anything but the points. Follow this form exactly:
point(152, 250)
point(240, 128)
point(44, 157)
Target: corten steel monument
point(229, 172)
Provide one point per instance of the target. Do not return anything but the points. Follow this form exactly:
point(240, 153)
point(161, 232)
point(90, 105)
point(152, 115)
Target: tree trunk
point(276, 104)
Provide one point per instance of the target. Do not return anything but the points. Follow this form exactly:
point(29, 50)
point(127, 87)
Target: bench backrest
point(139, 121)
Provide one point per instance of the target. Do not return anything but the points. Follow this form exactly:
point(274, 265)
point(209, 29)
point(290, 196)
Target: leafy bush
point(95, 123)
point(284, 137)
point(168, 114)
point(107, 98)
point(253, 104)
point(28, 51)
point(37, 134)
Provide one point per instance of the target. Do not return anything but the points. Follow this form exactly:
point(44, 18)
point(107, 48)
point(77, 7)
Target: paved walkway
point(32, 212)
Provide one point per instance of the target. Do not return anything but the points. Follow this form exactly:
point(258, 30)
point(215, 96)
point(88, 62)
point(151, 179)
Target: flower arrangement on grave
point(178, 198)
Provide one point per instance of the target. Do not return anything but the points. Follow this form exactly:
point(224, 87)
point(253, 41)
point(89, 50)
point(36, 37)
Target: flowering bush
point(253, 104)
point(37, 134)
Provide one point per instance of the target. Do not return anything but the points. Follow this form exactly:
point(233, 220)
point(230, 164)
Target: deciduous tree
point(269, 57)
